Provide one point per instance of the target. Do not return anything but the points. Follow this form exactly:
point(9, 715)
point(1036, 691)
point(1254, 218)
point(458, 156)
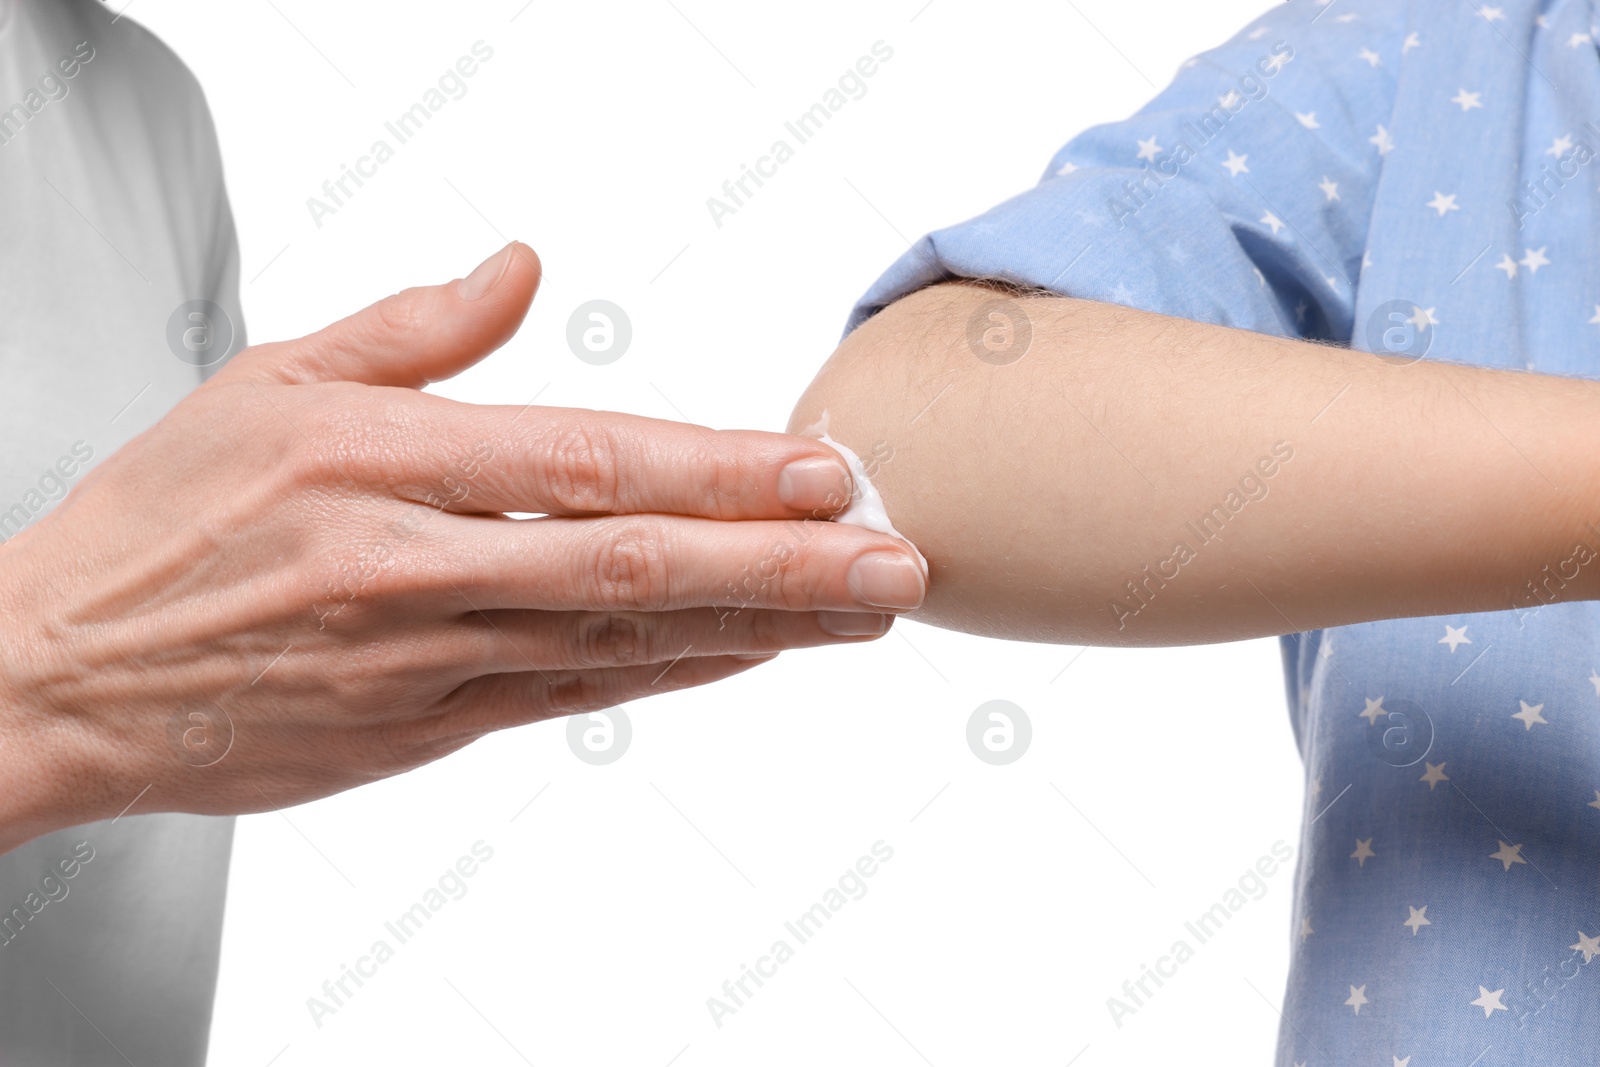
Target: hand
point(303, 579)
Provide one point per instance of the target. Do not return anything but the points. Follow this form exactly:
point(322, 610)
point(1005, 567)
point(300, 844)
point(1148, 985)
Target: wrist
point(48, 784)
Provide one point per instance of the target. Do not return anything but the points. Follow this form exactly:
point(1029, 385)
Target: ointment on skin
point(866, 504)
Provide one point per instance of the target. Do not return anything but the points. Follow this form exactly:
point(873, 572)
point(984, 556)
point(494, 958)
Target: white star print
point(1596, 322)
point(1383, 140)
point(1508, 854)
point(1366, 261)
point(1542, 21)
point(1454, 636)
point(1560, 146)
point(1068, 167)
point(1577, 39)
point(1330, 189)
point(1467, 100)
point(1357, 998)
point(1589, 946)
point(1230, 100)
point(1364, 852)
point(1398, 1062)
point(1442, 203)
point(1349, 16)
point(1418, 919)
point(1533, 259)
point(1433, 775)
point(1530, 714)
point(1370, 56)
point(1308, 120)
point(1373, 709)
point(1257, 33)
point(1490, 1002)
point(1274, 221)
point(1411, 41)
point(1305, 929)
point(1509, 265)
point(1422, 318)
point(1235, 163)
point(1278, 61)
point(1595, 803)
point(1149, 150)
point(1490, 14)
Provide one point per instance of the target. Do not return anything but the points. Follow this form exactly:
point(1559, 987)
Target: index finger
point(576, 462)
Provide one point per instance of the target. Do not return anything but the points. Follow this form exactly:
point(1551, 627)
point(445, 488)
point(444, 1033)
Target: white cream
point(866, 504)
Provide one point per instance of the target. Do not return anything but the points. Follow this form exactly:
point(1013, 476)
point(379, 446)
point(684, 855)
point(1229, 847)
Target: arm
point(1054, 496)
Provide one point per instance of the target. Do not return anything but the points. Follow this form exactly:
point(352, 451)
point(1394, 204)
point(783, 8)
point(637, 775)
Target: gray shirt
point(115, 231)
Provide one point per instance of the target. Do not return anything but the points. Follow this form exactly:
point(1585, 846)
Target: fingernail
point(484, 275)
point(813, 484)
point(853, 623)
point(755, 657)
point(887, 580)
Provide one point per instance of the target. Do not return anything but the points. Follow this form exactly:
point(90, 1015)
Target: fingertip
point(525, 262)
point(818, 484)
point(514, 269)
point(854, 623)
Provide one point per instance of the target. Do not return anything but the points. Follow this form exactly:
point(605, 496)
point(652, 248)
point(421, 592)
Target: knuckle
point(629, 567)
point(398, 317)
point(783, 580)
point(337, 437)
point(612, 639)
point(765, 632)
point(571, 692)
point(398, 747)
point(580, 469)
point(725, 483)
point(352, 681)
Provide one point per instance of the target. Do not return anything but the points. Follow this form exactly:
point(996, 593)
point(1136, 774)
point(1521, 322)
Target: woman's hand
point(303, 579)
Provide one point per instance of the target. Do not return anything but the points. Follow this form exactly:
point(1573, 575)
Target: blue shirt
point(1417, 178)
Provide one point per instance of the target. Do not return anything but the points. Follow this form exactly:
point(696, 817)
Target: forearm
point(1082, 493)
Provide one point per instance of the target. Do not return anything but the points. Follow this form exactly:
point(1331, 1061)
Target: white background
point(1019, 898)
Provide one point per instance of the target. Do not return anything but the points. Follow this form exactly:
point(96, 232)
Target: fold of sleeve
point(1239, 196)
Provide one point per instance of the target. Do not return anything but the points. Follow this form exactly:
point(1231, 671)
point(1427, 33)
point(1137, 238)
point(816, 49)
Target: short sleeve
point(1239, 196)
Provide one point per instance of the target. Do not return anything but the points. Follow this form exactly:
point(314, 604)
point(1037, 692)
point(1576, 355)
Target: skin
point(1041, 482)
point(302, 579)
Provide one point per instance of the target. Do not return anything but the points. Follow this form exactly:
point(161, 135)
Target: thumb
point(414, 337)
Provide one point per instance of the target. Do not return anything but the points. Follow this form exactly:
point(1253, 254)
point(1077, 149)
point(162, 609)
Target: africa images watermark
point(852, 85)
point(1202, 929)
point(53, 889)
point(851, 885)
point(1252, 486)
point(336, 992)
point(1572, 154)
point(1197, 132)
point(451, 85)
point(1546, 589)
point(52, 485)
point(51, 87)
